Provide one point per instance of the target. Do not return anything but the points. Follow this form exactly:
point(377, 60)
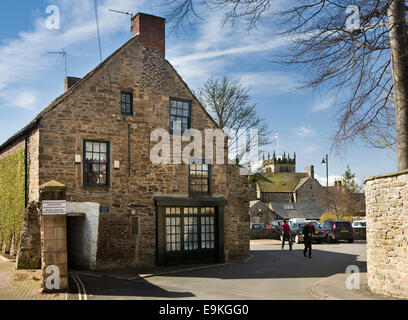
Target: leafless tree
point(365, 68)
point(228, 102)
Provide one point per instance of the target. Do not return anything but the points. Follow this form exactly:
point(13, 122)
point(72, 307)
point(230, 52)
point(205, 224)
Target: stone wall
point(236, 213)
point(261, 234)
point(387, 234)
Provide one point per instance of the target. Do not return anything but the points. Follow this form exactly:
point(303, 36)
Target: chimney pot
point(69, 82)
point(310, 171)
point(151, 31)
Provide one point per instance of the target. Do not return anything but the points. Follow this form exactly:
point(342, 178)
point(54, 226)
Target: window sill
point(96, 188)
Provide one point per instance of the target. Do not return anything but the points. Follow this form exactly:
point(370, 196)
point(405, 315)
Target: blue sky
point(31, 78)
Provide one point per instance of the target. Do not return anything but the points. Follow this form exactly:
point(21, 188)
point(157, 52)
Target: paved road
point(272, 274)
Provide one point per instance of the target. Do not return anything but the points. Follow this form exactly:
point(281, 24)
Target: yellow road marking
point(83, 287)
point(79, 287)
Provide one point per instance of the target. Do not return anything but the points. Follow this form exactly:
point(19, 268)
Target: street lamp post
point(325, 161)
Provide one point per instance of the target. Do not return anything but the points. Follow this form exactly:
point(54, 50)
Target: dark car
point(335, 230)
point(258, 226)
point(318, 235)
point(277, 231)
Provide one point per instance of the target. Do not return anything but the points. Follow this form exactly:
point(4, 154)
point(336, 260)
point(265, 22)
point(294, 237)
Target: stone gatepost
point(54, 237)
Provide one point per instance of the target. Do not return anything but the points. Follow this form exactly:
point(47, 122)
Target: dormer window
point(126, 103)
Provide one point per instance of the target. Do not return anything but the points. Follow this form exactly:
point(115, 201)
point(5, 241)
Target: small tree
point(228, 102)
point(348, 182)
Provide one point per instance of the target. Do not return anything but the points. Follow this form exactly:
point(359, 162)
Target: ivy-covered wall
point(12, 198)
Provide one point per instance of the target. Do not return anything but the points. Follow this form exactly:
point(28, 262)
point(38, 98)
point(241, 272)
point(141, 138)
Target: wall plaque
point(54, 207)
point(104, 209)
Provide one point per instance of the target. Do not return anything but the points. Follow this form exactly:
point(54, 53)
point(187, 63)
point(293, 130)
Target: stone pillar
point(54, 237)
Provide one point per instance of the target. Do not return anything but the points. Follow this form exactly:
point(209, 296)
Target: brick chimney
point(310, 171)
point(69, 82)
point(151, 31)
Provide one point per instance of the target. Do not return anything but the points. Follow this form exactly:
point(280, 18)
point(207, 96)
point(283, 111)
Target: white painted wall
point(85, 235)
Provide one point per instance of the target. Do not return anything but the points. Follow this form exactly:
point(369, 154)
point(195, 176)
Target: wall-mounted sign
point(104, 209)
point(54, 207)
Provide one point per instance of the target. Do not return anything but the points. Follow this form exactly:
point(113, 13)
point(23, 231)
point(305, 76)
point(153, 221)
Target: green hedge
point(12, 197)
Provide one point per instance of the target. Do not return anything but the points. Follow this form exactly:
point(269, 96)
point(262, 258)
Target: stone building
point(286, 193)
point(279, 182)
point(96, 139)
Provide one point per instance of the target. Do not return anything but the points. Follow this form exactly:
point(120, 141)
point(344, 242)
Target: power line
point(97, 28)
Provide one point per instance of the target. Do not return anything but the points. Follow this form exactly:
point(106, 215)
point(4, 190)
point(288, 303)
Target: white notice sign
point(54, 207)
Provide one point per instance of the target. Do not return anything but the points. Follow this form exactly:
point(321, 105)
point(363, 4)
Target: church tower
point(284, 164)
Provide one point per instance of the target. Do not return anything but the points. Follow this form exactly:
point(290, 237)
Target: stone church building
point(283, 193)
point(123, 210)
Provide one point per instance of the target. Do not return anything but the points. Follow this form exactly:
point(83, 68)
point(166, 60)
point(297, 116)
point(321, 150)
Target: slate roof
point(309, 211)
point(280, 182)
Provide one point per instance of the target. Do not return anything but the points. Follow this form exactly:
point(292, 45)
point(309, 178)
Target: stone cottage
point(123, 209)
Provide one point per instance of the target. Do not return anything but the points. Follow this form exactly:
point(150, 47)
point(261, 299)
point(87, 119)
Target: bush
point(331, 215)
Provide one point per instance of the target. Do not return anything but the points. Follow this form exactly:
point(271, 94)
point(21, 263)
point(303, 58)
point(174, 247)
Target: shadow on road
point(121, 289)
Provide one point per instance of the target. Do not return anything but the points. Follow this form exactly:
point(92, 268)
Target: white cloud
point(25, 98)
point(323, 180)
point(304, 131)
point(323, 105)
point(310, 149)
point(268, 82)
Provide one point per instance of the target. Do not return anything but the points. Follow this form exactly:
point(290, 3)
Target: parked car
point(298, 220)
point(275, 229)
point(318, 235)
point(257, 226)
point(278, 232)
point(335, 230)
point(359, 224)
point(359, 229)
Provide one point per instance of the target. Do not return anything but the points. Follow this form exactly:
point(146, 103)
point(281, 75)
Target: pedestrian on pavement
point(285, 230)
point(308, 231)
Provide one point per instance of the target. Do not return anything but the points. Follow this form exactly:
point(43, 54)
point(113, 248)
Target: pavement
point(21, 284)
point(268, 274)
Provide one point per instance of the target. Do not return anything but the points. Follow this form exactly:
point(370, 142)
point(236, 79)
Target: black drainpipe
point(26, 171)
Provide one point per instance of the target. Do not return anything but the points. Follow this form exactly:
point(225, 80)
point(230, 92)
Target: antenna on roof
point(123, 12)
point(64, 54)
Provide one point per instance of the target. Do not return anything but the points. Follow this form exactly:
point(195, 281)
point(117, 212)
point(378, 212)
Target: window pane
point(88, 146)
point(96, 146)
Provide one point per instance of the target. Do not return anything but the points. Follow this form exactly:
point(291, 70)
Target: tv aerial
point(64, 55)
point(123, 12)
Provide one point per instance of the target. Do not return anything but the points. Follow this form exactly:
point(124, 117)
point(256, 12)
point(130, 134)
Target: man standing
point(286, 234)
point(308, 232)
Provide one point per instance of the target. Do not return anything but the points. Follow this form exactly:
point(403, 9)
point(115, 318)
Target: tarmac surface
point(270, 273)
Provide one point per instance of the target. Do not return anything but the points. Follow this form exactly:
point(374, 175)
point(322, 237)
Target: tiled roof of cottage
point(309, 211)
point(281, 182)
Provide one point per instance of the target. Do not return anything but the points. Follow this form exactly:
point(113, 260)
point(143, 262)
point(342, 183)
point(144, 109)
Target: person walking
point(285, 230)
point(308, 231)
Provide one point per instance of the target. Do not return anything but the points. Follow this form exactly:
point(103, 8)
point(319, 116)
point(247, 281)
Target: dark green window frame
point(199, 178)
point(180, 110)
point(126, 103)
point(98, 158)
